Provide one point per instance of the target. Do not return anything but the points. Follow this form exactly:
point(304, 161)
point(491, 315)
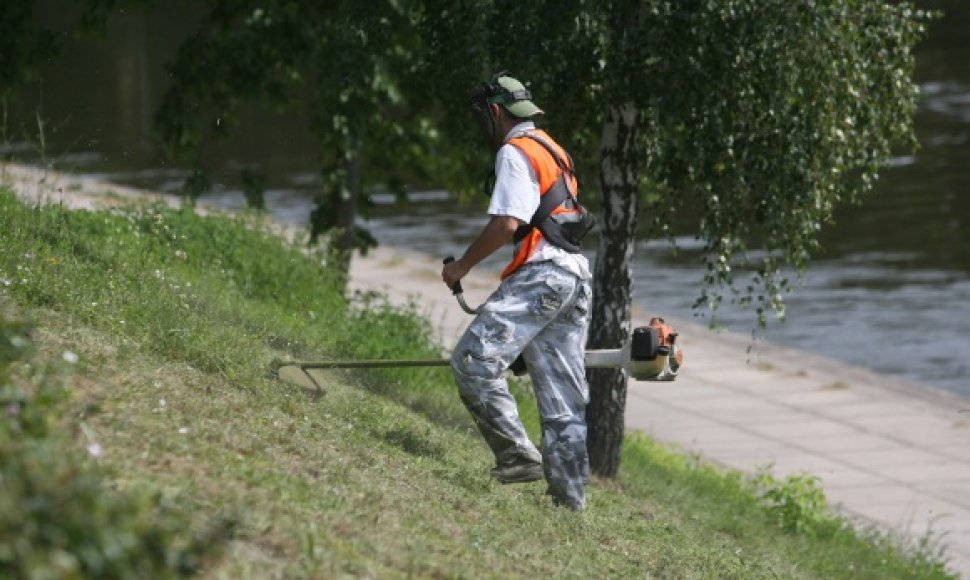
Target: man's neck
point(518, 129)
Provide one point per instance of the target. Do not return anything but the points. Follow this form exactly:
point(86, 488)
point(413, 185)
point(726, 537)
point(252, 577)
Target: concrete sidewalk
point(889, 452)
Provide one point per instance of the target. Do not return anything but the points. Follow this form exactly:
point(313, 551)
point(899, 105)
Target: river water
point(890, 291)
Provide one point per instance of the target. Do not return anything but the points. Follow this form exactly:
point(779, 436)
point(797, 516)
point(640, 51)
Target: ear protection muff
point(493, 93)
point(482, 99)
point(482, 112)
point(499, 95)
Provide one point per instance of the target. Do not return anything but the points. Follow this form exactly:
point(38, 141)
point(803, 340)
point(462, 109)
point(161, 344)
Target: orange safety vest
point(548, 172)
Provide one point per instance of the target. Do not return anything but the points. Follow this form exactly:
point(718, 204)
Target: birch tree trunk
point(347, 209)
point(610, 322)
point(345, 205)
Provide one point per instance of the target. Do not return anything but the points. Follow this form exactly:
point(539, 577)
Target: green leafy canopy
point(754, 118)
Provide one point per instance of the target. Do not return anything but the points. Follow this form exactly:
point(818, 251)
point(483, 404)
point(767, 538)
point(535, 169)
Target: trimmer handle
point(456, 287)
point(458, 292)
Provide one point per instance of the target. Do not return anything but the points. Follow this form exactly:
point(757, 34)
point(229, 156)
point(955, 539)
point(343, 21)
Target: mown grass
point(175, 319)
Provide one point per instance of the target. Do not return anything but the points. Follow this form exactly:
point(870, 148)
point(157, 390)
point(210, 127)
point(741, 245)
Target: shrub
point(797, 503)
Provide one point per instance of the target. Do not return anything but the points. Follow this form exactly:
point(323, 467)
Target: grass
point(174, 320)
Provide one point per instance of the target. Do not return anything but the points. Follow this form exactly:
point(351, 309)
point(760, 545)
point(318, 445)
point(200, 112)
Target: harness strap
point(555, 155)
point(554, 196)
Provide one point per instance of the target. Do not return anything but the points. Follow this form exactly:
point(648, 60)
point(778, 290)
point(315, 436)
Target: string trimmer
point(650, 354)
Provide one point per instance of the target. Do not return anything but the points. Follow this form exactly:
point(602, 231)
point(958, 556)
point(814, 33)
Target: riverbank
point(889, 452)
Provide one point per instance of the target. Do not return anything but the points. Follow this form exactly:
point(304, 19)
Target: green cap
point(515, 98)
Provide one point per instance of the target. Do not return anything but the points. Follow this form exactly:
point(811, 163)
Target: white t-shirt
point(516, 194)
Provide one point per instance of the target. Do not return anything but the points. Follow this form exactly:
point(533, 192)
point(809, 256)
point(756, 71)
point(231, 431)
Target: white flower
point(69, 357)
point(183, 430)
point(95, 449)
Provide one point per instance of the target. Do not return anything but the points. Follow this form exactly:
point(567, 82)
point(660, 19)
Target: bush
point(797, 503)
point(58, 519)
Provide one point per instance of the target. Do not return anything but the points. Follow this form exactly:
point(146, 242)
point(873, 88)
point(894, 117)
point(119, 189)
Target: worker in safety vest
point(541, 309)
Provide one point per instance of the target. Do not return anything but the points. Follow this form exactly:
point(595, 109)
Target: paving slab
point(888, 456)
point(860, 442)
point(847, 481)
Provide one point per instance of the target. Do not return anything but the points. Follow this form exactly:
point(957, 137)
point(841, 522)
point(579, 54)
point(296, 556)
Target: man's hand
point(454, 271)
point(496, 233)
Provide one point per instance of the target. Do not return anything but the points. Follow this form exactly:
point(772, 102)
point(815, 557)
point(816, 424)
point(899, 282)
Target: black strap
point(558, 193)
point(555, 196)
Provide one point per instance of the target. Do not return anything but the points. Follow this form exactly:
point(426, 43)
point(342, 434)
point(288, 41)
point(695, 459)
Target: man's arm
point(496, 234)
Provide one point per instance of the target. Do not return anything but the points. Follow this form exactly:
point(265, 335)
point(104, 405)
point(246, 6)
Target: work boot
point(520, 472)
point(560, 500)
point(568, 504)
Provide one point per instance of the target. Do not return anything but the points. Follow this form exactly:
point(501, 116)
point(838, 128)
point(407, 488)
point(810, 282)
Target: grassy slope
point(175, 319)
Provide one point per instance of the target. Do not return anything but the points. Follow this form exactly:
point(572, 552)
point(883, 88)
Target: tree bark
point(345, 208)
point(610, 321)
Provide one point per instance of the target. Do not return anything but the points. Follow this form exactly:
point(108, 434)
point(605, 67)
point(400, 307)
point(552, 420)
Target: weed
point(797, 503)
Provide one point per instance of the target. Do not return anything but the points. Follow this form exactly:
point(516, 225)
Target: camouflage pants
point(541, 311)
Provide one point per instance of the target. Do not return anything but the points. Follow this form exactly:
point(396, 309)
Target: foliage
point(754, 119)
point(57, 516)
point(553, 47)
point(797, 503)
point(254, 184)
point(347, 67)
point(769, 115)
point(23, 45)
point(14, 342)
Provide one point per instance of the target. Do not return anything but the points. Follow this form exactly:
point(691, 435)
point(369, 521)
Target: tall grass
point(177, 317)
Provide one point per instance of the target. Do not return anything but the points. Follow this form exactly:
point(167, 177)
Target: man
point(540, 310)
